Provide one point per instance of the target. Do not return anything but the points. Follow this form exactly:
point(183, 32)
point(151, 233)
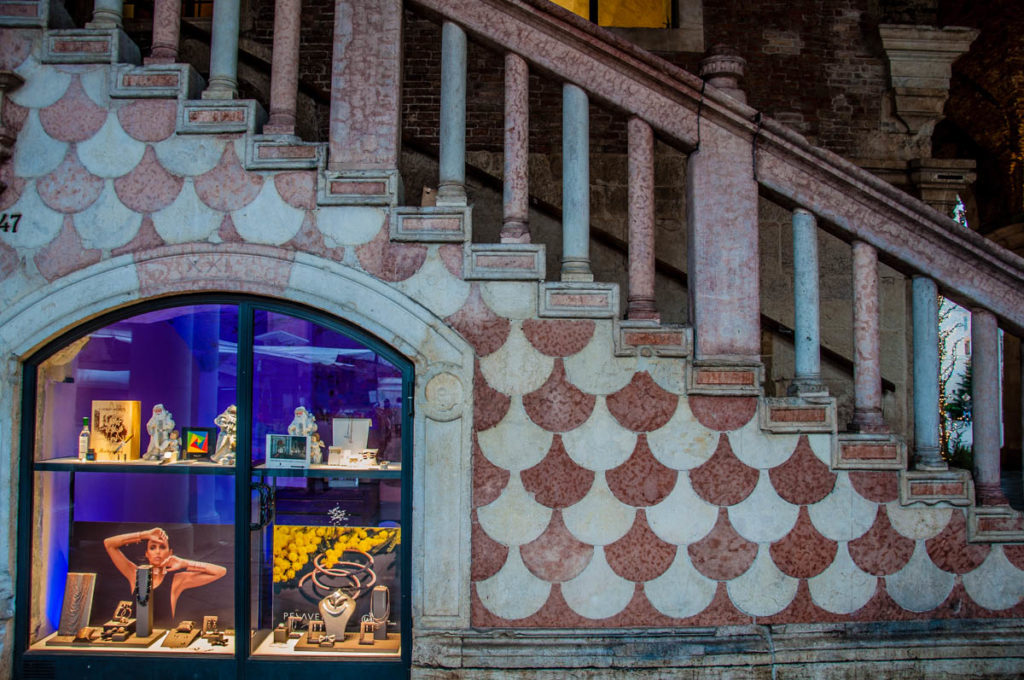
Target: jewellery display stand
point(182, 636)
point(77, 609)
point(119, 631)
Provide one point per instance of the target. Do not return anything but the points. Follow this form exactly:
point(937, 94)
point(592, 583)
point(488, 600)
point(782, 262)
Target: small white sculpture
point(159, 428)
point(171, 450)
point(304, 425)
point(227, 438)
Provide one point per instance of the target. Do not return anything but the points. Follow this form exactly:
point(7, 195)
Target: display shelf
point(268, 649)
point(393, 471)
point(50, 643)
point(144, 466)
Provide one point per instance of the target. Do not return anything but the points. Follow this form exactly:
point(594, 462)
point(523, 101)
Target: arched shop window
point(197, 467)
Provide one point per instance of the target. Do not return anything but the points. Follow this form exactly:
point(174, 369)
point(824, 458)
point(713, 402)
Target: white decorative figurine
point(317, 449)
point(227, 438)
point(304, 425)
point(159, 428)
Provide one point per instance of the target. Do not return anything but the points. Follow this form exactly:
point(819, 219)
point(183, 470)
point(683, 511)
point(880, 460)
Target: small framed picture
point(198, 443)
point(288, 451)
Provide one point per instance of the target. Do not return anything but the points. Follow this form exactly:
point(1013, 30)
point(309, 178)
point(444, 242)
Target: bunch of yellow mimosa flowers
point(295, 546)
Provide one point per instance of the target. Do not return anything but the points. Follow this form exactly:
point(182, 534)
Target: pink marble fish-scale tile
point(882, 550)
point(489, 405)
point(1015, 555)
point(642, 406)
point(723, 554)
point(476, 322)
point(309, 239)
point(488, 556)
point(803, 479)
point(70, 188)
point(74, 117)
point(489, 480)
point(148, 188)
point(640, 555)
point(388, 261)
point(144, 240)
point(15, 46)
point(297, 189)
point(557, 481)
point(14, 115)
point(227, 232)
point(802, 610)
point(803, 552)
point(451, 258)
point(877, 486)
point(65, 253)
point(228, 186)
point(149, 120)
point(642, 480)
point(556, 555)
point(950, 550)
point(15, 185)
point(721, 612)
point(558, 405)
point(723, 479)
point(558, 337)
point(723, 413)
point(9, 260)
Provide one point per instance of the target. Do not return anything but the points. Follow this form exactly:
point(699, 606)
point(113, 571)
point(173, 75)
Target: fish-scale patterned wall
point(604, 496)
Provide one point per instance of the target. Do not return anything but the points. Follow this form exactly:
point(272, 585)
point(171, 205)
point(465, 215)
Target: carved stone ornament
point(443, 395)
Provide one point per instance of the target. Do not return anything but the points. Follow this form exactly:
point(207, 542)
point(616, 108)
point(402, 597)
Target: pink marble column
point(366, 79)
point(516, 224)
point(986, 412)
point(721, 206)
point(284, 74)
point(867, 371)
point(166, 32)
point(641, 222)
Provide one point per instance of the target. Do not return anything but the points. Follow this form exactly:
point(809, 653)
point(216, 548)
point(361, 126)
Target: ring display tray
point(351, 645)
point(133, 641)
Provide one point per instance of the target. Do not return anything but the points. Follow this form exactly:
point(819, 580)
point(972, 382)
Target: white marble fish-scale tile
point(36, 153)
point(434, 287)
point(682, 443)
point(516, 368)
point(107, 223)
point(681, 591)
point(268, 219)
point(763, 516)
point(43, 85)
point(842, 588)
point(187, 218)
point(111, 152)
point(918, 522)
point(762, 590)
point(759, 449)
point(46, 222)
point(516, 443)
point(600, 443)
point(598, 592)
point(513, 593)
point(844, 514)
point(350, 225)
point(995, 584)
point(683, 502)
point(599, 518)
point(514, 517)
point(920, 586)
point(595, 369)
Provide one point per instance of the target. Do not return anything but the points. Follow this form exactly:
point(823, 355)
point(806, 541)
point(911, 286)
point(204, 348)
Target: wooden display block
point(133, 641)
point(350, 645)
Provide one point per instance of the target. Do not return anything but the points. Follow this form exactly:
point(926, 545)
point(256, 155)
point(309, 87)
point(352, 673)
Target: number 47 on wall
point(9, 221)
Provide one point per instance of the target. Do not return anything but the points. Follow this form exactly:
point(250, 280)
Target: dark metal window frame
point(89, 665)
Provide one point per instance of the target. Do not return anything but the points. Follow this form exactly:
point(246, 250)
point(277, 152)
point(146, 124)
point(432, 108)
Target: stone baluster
point(223, 51)
point(166, 32)
point(284, 74)
point(516, 224)
point(575, 184)
point(451, 188)
point(925, 303)
point(641, 222)
point(722, 224)
point(107, 14)
point(867, 371)
point(807, 334)
point(986, 409)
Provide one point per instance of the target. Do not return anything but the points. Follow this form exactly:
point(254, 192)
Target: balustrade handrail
point(848, 200)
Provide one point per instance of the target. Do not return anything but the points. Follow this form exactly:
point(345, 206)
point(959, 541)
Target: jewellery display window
point(203, 467)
